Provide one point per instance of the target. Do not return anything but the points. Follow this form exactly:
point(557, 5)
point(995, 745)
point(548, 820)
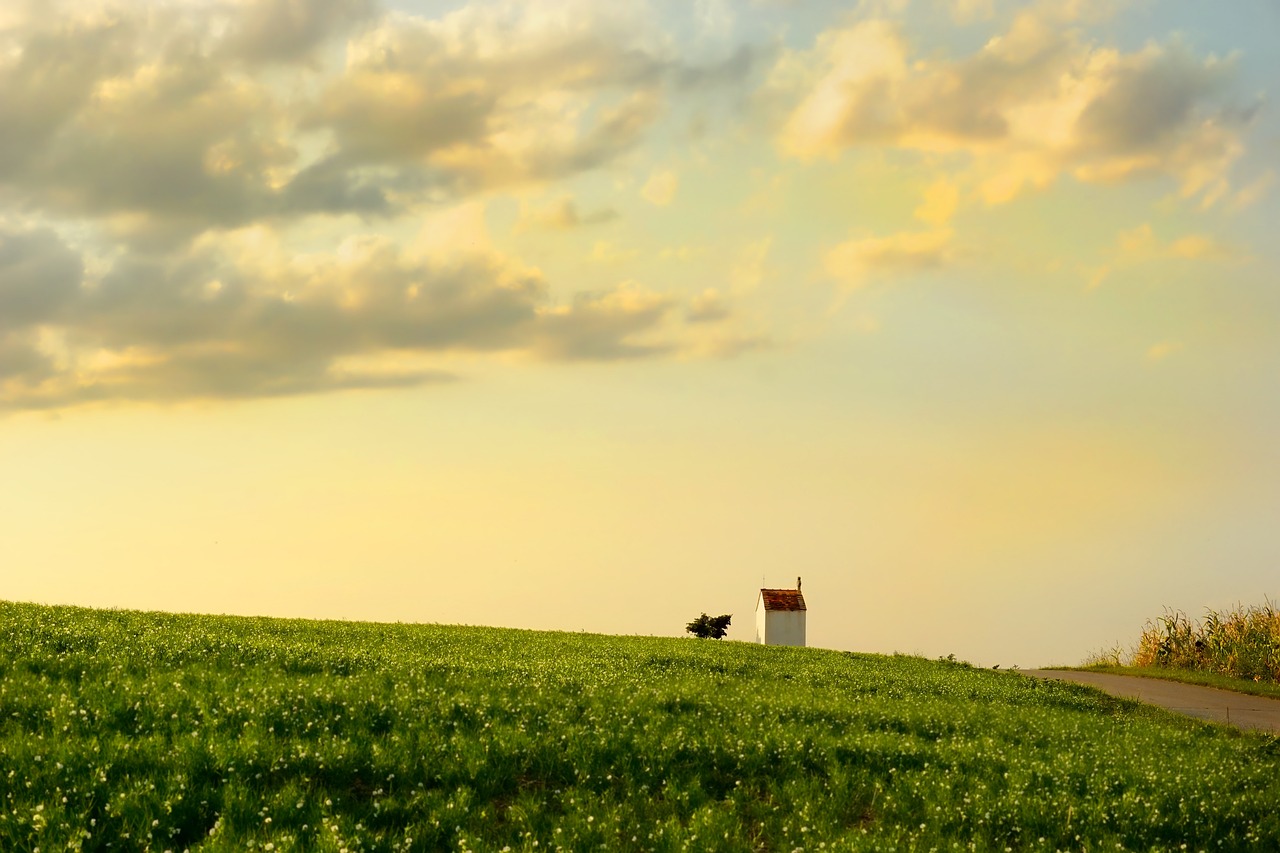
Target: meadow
point(142, 731)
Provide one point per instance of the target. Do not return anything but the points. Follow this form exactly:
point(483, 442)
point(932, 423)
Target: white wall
point(784, 628)
point(759, 618)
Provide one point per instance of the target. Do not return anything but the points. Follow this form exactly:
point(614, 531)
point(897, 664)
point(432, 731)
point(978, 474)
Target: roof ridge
point(782, 599)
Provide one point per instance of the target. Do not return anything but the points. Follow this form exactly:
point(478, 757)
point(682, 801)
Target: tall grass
point(1243, 642)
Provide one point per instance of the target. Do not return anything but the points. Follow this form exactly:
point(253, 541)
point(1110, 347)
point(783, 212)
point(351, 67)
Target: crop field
point(1241, 643)
point(139, 731)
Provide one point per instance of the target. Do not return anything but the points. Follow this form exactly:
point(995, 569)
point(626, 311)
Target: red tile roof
point(783, 599)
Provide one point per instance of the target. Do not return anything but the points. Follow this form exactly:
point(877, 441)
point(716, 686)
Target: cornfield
point(1241, 643)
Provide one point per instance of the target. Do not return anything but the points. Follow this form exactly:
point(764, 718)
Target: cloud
point(202, 326)
point(280, 31)
point(47, 74)
point(856, 260)
point(187, 189)
point(660, 189)
point(1141, 245)
point(39, 278)
point(22, 365)
point(941, 198)
point(752, 265)
point(845, 86)
point(715, 18)
point(560, 215)
point(157, 121)
point(1033, 104)
point(1195, 246)
point(1251, 193)
point(604, 325)
point(1147, 100)
point(129, 120)
point(494, 95)
point(967, 11)
point(708, 307)
point(219, 321)
point(731, 72)
point(179, 141)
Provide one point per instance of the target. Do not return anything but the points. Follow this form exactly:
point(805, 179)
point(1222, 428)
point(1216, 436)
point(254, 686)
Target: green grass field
point(138, 731)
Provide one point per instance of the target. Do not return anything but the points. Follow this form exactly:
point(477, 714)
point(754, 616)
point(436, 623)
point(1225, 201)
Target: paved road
point(1206, 703)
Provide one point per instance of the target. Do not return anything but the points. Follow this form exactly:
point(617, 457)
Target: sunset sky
point(593, 315)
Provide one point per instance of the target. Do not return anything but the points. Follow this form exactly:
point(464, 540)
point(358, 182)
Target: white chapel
point(780, 617)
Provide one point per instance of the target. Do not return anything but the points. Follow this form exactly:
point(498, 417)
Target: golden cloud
point(660, 189)
point(1141, 245)
point(1031, 105)
point(854, 261)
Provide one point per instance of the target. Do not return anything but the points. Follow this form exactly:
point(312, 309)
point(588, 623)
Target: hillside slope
point(124, 730)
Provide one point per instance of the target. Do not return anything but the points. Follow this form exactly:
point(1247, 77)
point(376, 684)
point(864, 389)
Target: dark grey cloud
point(967, 99)
point(734, 70)
point(415, 91)
point(157, 123)
point(602, 327)
point(50, 78)
point(1151, 100)
point(153, 131)
point(194, 324)
point(283, 31)
point(331, 186)
point(183, 147)
point(383, 302)
point(21, 363)
point(617, 132)
point(167, 140)
point(374, 119)
point(39, 278)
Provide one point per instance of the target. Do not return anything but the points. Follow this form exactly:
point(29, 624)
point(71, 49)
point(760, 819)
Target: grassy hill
point(143, 731)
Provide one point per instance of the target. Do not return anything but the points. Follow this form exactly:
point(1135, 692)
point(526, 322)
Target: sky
point(571, 315)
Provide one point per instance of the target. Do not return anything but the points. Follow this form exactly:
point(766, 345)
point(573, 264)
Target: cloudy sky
point(582, 315)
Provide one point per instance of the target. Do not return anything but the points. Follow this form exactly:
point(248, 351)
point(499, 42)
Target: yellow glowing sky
point(579, 315)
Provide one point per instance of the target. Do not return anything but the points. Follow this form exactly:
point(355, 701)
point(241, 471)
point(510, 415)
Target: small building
point(780, 617)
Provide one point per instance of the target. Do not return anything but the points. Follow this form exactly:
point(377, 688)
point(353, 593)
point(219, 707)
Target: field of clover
point(141, 731)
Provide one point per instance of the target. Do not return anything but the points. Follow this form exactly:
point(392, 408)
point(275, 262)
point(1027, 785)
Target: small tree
point(706, 626)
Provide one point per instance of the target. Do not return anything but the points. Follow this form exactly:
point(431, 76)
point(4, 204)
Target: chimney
point(797, 583)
